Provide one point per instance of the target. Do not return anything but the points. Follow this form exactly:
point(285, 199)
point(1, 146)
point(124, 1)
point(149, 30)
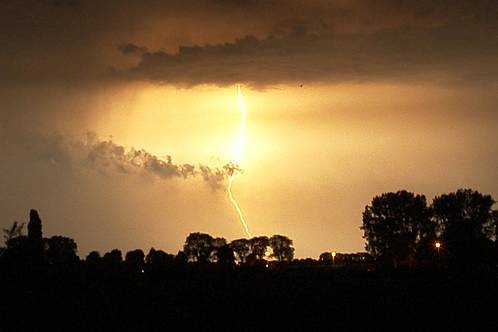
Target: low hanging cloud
point(67, 156)
point(458, 51)
point(132, 49)
point(107, 155)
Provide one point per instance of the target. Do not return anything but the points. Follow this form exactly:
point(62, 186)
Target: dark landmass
point(428, 268)
point(205, 298)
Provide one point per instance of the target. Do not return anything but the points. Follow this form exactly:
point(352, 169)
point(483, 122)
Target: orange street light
point(333, 257)
point(437, 244)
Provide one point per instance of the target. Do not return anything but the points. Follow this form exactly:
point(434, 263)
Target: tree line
point(400, 228)
point(199, 248)
point(458, 228)
point(245, 284)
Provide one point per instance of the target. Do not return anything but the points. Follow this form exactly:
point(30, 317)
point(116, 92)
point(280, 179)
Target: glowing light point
point(267, 253)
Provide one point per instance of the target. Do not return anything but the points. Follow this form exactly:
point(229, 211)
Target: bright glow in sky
point(346, 100)
point(314, 155)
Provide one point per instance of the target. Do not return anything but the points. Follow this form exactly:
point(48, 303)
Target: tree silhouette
point(113, 259)
point(466, 223)
point(93, 258)
point(61, 250)
point(465, 215)
point(198, 247)
point(282, 247)
point(217, 244)
point(394, 224)
point(495, 221)
point(25, 249)
point(134, 260)
point(34, 226)
point(158, 259)
point(225, 256)
point(325, 257)
point(259, 245)
point(14, 231)
point(19, 250)
point(241, 248)
point(181, 258)
point(251, 259)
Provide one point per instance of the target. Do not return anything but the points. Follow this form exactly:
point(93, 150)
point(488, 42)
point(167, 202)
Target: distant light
point(143, 271)
point(438, 244)
point(333, 253)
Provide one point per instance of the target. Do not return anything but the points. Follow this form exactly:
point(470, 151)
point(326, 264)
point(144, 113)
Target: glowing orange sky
point(314, 156)
point(346, 100)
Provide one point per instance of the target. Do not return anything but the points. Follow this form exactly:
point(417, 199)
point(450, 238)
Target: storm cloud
point(454, 52)
point(257, 42)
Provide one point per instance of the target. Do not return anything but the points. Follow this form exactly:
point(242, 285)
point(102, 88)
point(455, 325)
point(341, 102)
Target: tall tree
point(28, 249)
point(466, 222)
point(34, 226)
point(465, 215)
point(282, 247)
point(395, 223)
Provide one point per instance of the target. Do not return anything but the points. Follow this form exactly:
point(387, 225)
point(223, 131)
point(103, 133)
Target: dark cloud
point(132, 49)
point(295, 40)
point(62, 3)
point(459, 52)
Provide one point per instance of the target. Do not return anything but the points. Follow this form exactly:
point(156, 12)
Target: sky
point(118, 117)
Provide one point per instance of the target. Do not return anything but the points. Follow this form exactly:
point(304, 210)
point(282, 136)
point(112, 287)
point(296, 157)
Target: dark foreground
point(247, 299)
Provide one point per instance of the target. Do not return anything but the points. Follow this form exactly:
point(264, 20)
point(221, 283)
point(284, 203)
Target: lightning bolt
point(236, 205)
point(238, 157)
